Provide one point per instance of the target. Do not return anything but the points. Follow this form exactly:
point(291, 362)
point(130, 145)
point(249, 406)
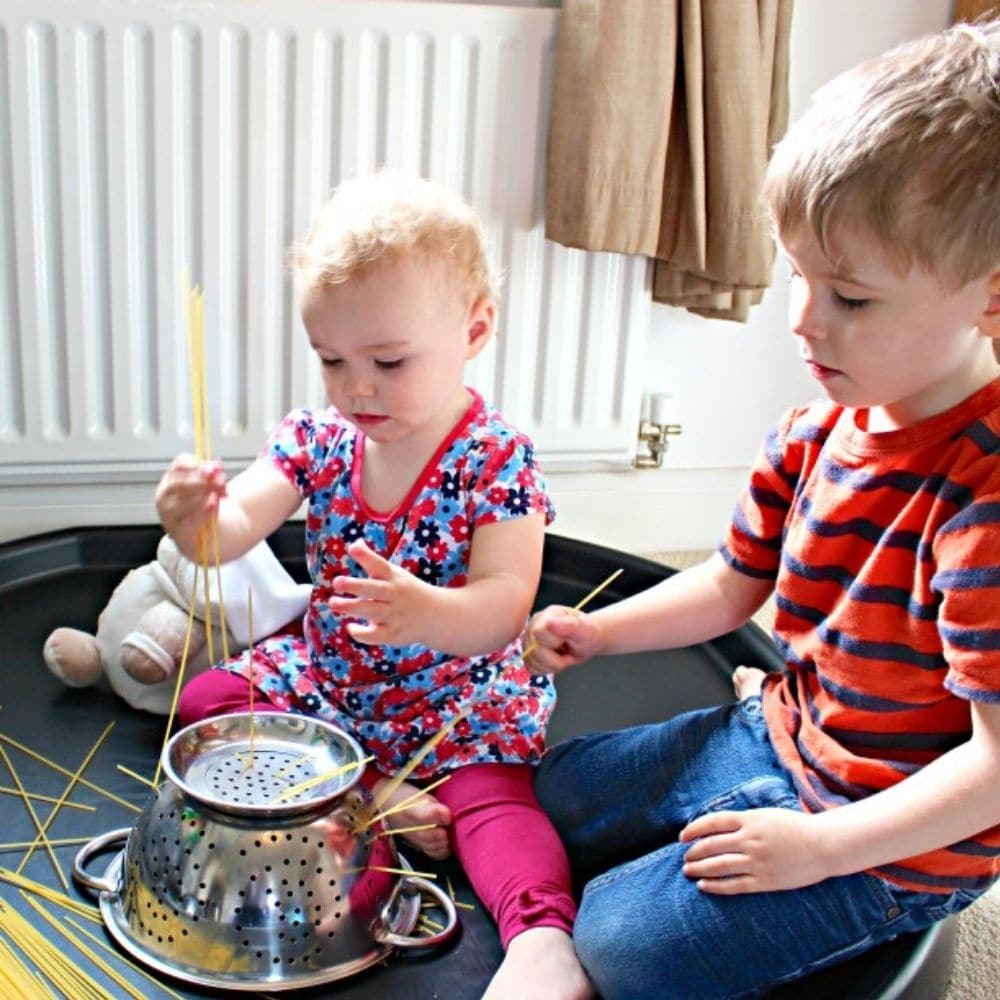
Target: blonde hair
point(904, 148)
point(385, 217)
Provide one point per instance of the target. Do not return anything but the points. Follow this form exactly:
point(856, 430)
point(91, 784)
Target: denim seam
point(846, 951)
point(612, 876)
point(725, 799)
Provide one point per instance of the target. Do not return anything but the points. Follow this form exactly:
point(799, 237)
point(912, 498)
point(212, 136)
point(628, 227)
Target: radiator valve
point(656, 429)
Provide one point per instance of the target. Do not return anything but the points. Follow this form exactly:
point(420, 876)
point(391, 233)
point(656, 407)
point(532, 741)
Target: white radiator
point(139, 137)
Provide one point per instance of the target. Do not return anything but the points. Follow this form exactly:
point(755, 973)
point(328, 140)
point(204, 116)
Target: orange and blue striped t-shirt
point(885, 552)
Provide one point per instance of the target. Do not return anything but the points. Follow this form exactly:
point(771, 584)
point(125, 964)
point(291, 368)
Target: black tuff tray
point(65, 578)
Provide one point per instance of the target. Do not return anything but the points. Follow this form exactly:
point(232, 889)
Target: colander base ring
point(405, 917)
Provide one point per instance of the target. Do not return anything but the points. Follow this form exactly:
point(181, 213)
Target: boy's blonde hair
point(904, 148)
point(388, 216)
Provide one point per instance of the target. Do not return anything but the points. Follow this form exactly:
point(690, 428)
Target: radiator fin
point(149, 144)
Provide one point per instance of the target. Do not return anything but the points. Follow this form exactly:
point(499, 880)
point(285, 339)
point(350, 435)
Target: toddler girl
point(424, 532)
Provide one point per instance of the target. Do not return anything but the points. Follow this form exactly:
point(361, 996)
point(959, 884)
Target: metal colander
point(247, 872)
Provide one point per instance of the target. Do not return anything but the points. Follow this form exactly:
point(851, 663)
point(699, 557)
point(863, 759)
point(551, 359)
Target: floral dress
point(392, 699)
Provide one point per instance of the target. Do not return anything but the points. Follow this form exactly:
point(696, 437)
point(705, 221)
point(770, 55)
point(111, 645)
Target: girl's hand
point(187, 496)
point(759, 850)
point(392, 604)
point(558, 638)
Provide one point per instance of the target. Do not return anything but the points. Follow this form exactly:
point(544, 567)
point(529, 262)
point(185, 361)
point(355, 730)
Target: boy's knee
point(613, 944)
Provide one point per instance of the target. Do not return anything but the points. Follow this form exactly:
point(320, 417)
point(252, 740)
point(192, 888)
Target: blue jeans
point(618, 800)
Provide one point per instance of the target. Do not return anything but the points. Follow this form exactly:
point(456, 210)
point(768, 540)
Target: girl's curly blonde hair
point(389, 215)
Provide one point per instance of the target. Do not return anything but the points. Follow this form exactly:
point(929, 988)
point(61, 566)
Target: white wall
point(732, 381)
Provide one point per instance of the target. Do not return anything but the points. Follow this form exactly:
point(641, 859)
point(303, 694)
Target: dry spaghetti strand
point(404, 773)
point(62, 770)
point(582, 603)
point(34, 818)
point(399, 806)
point(250, 630)
point(46, 798)
point(62, 798)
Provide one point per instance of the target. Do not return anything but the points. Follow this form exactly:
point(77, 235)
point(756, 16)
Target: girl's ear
point(482, 316)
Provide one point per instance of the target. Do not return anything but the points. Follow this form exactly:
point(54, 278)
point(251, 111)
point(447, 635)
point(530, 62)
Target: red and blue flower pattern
point(393, 699)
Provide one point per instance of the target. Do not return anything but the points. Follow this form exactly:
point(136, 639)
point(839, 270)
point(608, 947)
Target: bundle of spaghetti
point(17, 980)
point(135, 968)
point(194, 313)
point(96, 959)
point(52, 895)
point(203, 450)
point(68, 978)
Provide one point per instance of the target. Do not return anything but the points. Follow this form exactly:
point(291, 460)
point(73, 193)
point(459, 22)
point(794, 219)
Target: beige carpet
point(976, 974)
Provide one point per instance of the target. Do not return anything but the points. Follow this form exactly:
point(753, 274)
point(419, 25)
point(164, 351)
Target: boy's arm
point(690, 607)
point(949, 800)
point(394, 607)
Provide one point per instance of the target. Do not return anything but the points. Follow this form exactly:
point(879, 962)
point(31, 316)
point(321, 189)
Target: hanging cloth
point(664, 114)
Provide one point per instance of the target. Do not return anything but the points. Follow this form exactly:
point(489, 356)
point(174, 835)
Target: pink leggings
point(504, 841)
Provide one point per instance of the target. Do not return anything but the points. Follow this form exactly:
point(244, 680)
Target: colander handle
point(427, 941)
point(97, 846)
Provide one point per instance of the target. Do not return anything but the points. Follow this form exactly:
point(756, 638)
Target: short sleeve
point(300, 448)
point(967, 582)
point(509, 484)
point(752, 543)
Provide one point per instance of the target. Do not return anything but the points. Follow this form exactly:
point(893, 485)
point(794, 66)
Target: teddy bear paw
point(73, 656)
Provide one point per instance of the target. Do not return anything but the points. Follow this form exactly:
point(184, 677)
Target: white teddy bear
point(140, 633)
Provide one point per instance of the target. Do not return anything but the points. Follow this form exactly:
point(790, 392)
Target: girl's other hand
point(558, 637)
point(391, 605)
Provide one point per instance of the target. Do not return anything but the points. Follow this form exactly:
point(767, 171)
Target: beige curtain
point(664, 113)
point(969, 10)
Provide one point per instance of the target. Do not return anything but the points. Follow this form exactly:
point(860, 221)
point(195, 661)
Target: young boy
point(854, 795)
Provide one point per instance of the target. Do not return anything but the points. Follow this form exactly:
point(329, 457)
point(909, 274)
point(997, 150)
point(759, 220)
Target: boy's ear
point(480, 326)
point(989, 321)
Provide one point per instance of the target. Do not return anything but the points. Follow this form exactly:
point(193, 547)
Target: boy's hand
point(392, 603)
point(186, 498)
point(759, 850)
point(558, 638)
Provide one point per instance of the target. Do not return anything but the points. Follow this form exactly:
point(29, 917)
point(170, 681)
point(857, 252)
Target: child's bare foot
point(540, 965)
point(747, 681)
point(422, 810)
